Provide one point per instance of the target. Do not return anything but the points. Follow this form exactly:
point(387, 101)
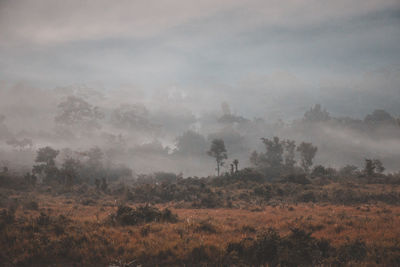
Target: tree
point(132, 117)
point(274, 154)
point(369, 168)
point(75, 111)
point(218, 151)
point(232, 168)
point(379, 166)
point(307, 154)
point(380, 116)
point(348, 170)
point(191, 143)
point(316, 114)
point(95, 157)
point(290, 147)
point(91, 165)
point(70, 171)
point(46, 159)
point(373, 166)
point(236, 163)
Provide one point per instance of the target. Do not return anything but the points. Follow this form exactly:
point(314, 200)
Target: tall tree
point(369, 167)
point(373, 166)
point(236, 163)
point(218, 151)
point(274, 154)
point(307, 154)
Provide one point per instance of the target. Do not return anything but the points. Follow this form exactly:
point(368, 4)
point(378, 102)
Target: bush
point(297, 249)
point(206, 226)
point(143, 214)
point(296, 179)
point(31, 205)
point(354, 251)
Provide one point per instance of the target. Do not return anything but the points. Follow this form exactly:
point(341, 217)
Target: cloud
point(256, 55)
point(48, 22)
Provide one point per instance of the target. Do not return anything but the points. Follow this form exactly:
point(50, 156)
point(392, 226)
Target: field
point(86, 226)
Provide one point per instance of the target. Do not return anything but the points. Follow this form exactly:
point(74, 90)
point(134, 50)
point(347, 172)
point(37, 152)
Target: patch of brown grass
point(79, 233)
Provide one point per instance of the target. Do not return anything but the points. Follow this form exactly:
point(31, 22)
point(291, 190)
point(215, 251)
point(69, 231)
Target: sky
point(265, 58)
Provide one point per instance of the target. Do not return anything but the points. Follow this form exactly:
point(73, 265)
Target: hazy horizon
point(172, 64)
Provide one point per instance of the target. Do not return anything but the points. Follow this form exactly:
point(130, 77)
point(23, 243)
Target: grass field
point(70, 229)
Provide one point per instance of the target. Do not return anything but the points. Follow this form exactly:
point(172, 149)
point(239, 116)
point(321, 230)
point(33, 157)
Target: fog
point(150, 135)
point(152, 84)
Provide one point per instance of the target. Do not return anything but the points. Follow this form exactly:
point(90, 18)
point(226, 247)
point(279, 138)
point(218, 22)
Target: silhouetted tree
point(307, 154)
point(369, 167)
point(316, 114)
point(236, 163)
point(46, 159)
point(379, 116)
point(379, 166)
point(274, 154)
point(218, 151)
point(373, 166)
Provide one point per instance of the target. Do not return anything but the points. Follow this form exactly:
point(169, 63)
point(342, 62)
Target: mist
point(152, 133)
point(152, 86)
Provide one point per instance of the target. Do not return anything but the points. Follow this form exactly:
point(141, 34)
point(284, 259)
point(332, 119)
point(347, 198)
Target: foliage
point(46, 159)
point(307, 153)
point(218, 151)
point(143, 214)
point(75, 111)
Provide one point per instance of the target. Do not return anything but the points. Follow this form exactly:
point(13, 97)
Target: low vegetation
point(278, 212)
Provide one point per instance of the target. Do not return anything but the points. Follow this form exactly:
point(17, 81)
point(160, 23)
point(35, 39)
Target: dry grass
point(376, 225)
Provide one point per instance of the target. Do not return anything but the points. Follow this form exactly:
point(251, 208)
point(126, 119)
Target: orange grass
point(373, 224)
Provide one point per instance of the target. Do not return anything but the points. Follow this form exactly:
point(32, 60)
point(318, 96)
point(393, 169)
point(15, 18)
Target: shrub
point(143, 214)
point(354, 251)
point(206, 226)
point(297, 249)
point(296, 179)
point(31, 205)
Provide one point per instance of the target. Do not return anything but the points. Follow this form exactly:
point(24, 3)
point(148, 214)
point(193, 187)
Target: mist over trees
point(148, 138)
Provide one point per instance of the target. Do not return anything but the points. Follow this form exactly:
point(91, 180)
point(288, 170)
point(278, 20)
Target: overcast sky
point(256, 55)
